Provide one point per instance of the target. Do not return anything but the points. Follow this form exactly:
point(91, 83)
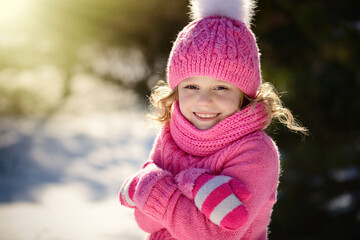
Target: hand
point(220, 198)
point(136, 189)
point(128, 188)
point(127, 191)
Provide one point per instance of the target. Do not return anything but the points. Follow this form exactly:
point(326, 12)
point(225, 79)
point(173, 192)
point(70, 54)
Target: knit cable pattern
point(218, 47)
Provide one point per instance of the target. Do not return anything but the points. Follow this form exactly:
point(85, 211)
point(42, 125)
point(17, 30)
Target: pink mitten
point(149, 190)
point(128, 188)
point(186, 180)
point(220, 198)
point(127, 191)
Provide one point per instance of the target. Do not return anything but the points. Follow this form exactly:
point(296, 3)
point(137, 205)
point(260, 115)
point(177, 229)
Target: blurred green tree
point(310, 50)
point(75, 36)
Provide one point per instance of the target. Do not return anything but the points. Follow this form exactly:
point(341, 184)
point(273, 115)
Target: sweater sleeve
point(155, 188)
point(257, 167)
point(145, 221)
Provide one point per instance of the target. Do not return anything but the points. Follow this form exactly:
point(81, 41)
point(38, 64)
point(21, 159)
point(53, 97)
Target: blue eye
point(191, 87)
point(221, 88)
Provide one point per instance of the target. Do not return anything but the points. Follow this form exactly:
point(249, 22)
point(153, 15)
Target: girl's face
point(205, 101)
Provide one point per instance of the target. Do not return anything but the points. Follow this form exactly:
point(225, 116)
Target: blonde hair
point(162, 99)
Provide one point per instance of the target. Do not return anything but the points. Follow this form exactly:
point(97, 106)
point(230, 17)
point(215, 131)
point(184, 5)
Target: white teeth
point(206, 115)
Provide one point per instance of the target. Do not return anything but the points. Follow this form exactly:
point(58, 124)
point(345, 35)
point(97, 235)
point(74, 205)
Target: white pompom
point(241, 10)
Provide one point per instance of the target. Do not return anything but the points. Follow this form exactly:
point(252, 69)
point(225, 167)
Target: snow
point(60, 177)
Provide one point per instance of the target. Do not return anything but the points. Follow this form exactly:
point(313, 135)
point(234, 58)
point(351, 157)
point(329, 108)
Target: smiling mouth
point(206, 116)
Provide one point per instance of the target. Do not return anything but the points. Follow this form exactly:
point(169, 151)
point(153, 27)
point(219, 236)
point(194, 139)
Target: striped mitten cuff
point(127, 191)
point(220, 198)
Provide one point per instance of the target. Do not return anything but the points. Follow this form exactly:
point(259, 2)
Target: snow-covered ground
point(59, 177)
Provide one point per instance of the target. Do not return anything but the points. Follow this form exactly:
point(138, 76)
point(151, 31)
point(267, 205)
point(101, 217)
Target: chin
point(202, 127)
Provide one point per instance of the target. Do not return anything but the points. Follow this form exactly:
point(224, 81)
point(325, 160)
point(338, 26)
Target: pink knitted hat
point(218, 44)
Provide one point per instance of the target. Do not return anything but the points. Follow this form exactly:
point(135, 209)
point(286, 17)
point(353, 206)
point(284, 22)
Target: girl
point(213, 173)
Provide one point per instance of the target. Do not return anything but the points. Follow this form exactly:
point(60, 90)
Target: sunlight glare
point(12, 11)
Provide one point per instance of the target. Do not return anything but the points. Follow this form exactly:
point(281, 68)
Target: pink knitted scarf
point(205, 142)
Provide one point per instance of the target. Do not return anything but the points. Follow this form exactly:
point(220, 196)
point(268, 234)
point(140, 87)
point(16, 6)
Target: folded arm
point(217, 206)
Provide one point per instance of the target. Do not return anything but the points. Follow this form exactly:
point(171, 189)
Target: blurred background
point(74, 76)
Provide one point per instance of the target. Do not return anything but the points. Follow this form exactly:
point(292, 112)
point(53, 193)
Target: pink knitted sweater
point(237, 148)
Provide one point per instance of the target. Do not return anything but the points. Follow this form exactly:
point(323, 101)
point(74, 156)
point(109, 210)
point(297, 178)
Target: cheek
point(236, 99)
point(230, 101)
point(181, 97)
point(229, 104)
point(184, 105)
point(185, 99)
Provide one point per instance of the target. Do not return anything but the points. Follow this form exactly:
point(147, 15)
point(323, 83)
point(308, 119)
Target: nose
point(205, 98)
